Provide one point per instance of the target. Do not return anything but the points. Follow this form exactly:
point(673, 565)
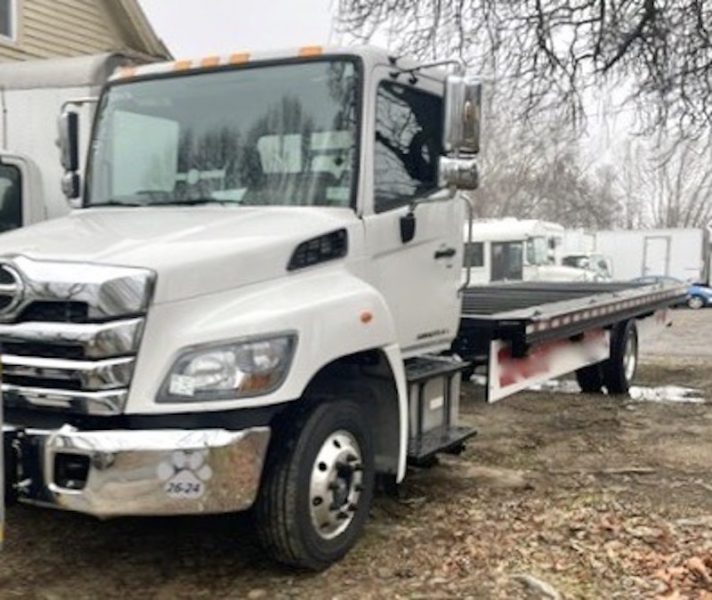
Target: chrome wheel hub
point(336, 484)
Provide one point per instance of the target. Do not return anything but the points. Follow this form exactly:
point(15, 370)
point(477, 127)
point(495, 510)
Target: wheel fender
point(332, 312)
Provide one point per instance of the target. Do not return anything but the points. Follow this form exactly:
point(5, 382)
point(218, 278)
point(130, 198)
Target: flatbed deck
point(528, 313)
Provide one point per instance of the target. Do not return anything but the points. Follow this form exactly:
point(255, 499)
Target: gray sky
point(192, 28)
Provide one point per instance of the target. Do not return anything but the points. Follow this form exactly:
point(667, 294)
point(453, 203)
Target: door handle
point(445, 253)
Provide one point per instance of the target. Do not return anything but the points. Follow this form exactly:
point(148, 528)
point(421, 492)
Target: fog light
point(71, 471)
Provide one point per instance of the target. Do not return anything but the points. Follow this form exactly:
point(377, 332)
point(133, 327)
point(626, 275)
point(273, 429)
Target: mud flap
point(507, 375)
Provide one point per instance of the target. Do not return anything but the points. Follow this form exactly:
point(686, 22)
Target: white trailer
point(680, 253)
point(259, 303)
point(32, 95)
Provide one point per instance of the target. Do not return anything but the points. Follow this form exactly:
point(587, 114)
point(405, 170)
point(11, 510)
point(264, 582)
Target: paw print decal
point(185, 474)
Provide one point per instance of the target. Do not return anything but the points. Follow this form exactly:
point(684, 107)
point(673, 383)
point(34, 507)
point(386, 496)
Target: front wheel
point(318, 486)
point(695, 302)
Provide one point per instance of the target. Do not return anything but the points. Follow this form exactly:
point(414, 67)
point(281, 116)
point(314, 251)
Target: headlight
point(228, 371)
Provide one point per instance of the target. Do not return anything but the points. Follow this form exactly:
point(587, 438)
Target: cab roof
point(370, 55)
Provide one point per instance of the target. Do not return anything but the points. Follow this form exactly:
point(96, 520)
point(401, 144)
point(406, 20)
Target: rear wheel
point(590, 379)
point(695, 302)
point(318, 486)
point(620, 369)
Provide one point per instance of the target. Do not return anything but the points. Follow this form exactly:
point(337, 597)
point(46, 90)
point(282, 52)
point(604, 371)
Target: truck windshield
point(271, 135)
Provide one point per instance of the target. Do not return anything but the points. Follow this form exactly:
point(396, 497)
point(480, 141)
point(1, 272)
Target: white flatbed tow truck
point(259, 303)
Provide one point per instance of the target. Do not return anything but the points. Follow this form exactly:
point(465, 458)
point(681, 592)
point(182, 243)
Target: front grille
point(55, 312)
point(42, 382)
point(75, 352)
point(69, 334)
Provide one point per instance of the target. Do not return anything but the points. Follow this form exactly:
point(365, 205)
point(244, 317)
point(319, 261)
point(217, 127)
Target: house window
point(8, 19)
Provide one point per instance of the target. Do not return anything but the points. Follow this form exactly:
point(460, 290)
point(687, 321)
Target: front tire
point(318, 486)
point(620, 369)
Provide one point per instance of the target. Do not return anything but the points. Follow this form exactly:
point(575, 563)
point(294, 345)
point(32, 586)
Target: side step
point(441, 439)
point(434, 405)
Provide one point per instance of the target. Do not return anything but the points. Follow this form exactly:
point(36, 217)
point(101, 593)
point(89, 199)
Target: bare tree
point(681, 186)
point(664, 183)
point(549, 52)
point(534, 170)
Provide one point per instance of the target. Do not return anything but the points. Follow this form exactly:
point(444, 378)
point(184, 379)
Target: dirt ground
point(560, 495)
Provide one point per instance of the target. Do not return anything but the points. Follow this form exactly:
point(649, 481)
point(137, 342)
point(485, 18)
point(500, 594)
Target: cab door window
point(10, 198)
point(408, 144)
point(507, 261)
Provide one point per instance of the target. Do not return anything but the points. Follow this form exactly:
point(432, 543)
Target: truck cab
point(21, 196)
point(255, 302)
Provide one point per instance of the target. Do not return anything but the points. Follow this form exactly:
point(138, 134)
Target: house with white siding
point(36, 29)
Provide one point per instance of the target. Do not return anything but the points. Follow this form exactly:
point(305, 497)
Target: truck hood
point(193, 250)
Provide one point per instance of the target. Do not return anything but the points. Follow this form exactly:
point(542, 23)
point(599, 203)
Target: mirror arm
point(470, 220)
point(78, 102)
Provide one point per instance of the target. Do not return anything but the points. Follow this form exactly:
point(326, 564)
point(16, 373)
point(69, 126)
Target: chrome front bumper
point(136, 472)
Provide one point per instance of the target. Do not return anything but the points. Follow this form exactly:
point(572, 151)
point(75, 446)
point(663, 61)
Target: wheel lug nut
point(317, 501)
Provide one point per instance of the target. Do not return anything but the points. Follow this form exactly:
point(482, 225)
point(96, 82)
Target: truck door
point(419, 277)
point(656, 255)
point(11, 195)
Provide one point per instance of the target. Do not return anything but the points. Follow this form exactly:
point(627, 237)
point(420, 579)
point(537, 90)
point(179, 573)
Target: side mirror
point(69, 153)
point(463, 108)
point(69, 140)
point(461, 173)
point(71, 183)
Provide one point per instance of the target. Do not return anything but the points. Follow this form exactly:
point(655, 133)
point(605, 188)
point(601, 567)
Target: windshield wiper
point(114, 203)
point(195, 202)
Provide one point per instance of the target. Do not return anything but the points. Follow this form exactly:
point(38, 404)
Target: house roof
point(136, 29)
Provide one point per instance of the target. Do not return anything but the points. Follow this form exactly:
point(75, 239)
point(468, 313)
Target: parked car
point(698, 295)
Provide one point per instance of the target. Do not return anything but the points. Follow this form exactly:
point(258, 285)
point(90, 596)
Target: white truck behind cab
point(259, 302)
point(32, 94)
point(520, 250)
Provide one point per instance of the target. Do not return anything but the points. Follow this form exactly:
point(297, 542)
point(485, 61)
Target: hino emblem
point(12, 289)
